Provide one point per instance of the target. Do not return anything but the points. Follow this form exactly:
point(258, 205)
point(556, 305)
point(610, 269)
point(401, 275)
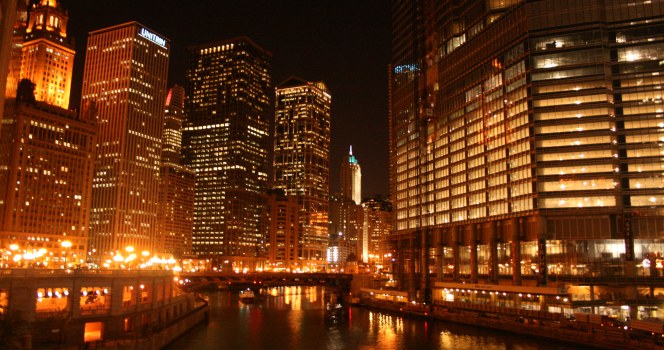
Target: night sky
point(345, 43)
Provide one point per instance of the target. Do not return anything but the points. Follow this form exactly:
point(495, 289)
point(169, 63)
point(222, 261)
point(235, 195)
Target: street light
point(66, 245)
point(118, 258)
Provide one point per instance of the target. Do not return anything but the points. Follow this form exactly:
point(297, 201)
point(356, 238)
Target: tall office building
point(350, 178)
point(302, 160)
point(48, 53)
point(346, 221)
point(376, 229)
point(177, 187)
point(406, 116)
point(282, 244)
point(46, 198)
point(524, 146)
point(226, 140)
point(126, 68)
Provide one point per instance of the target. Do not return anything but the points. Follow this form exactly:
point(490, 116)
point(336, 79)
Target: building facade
point(226, 142)
point(376, 229)
point(302, 161)
point(48, 191)
point(524, 146)
point(405, 119)
point(177, 187)
point(14, 20)
point(13, 16)
point(283, 244)
point(346, 222)
point(126, 68)
point(350, 178)
point(48, 53)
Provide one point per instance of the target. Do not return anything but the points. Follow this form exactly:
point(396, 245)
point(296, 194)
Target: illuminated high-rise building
point(126, 67)
point(525, 147)
point(226, 140)
point(405, 92)
point(350, 178)
point(376, 229)
point(46, 198)
point(282, 243)
point(176, 196)
point(346, 222)
point(48, 53)
point(302, 160)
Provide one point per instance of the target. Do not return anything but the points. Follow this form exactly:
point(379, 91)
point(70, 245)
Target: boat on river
point(247, 296)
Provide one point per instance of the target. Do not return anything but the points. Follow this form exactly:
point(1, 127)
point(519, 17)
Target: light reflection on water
point(293, 318)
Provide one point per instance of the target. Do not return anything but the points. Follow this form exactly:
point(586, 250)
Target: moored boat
point(247, 296)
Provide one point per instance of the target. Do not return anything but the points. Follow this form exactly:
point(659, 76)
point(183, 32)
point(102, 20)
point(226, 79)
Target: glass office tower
point(535, 155)
point(226, 142)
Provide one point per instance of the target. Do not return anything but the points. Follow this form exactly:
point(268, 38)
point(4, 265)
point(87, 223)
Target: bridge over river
point(237, 281)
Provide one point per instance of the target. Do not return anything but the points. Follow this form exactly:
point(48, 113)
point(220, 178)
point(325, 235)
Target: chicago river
point(295, 318)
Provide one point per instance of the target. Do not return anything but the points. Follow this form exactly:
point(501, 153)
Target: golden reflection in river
point(292, 297)
point(449, 340)
point(386, 328)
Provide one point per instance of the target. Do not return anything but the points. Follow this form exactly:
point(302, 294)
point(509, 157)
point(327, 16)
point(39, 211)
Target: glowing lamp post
point(118, 258)
point(145, 254)
point(66, 245)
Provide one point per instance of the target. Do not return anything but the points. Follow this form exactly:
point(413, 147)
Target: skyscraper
point(524, 146)
point(405, 93)
point(126, 68)
point(302, 160)
point(226, 140)
point(177, 187)
point(376, 228)
point(350, 176)
point(48, 53)
point(283, 232)
point(346, 222)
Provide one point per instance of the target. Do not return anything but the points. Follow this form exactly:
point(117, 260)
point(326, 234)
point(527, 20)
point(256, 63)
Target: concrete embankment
point(159, 338)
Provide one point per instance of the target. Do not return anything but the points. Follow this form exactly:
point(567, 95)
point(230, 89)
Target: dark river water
point(295, 318)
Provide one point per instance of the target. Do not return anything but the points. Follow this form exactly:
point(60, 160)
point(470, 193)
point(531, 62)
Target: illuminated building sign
point(152, 37)
point(406, 68)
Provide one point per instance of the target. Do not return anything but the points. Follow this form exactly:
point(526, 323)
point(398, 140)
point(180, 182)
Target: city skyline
point(526, 175)
point(332, 49)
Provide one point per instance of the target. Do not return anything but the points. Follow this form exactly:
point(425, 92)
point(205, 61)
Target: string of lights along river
point(296, 318)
